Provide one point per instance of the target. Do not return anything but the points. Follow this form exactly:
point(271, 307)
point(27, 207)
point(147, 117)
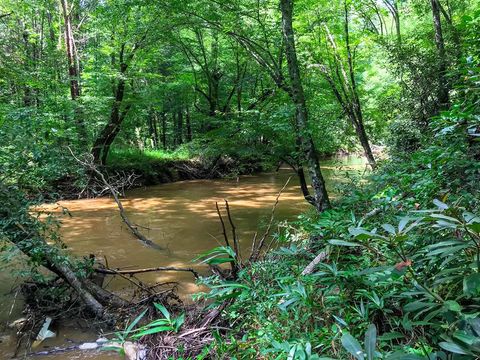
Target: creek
point(181, 218)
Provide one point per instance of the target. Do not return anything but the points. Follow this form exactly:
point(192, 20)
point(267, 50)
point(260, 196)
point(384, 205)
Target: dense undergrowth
point(401, 276)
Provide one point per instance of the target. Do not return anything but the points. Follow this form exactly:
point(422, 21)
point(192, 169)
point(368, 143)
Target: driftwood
point(134, 229)
point(145, 270)
point(318, 259)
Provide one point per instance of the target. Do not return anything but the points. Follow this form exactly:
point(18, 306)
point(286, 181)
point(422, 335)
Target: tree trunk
point(443, 96)
point(308, 150)
point(107, 135)
point(73, 71)
point(27, 235)
point(355, 98)
point(152, 128)
point(188, 125)
point(164, 130)
point(180, 127)
point(175, 129)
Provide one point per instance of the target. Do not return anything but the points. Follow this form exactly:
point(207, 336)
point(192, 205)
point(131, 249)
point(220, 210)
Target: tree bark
point(180, 127)
point(297, 95)
point(188, 124)
point(443, 96)
point(26, 234)
point(107, 135)
point(164, 130)
point(73, 71)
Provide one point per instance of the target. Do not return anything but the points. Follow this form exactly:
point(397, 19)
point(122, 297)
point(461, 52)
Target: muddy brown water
point(181, 218)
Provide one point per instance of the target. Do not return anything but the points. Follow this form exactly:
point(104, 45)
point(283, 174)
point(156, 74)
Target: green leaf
point(452, 347)
point(471, 284)
point(417, 305)
point(389, 228)
point(403, 222)
point(163, 310)
point(393, 335)
point(135, 322)
point(440, 205)
point(370, 341)
point(452, 306)
point(154, 330)
point(217, 261)
point(352, 346)
point(343, 243)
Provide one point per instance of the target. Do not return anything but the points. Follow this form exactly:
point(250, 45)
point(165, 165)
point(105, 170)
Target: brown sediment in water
point(180, 217)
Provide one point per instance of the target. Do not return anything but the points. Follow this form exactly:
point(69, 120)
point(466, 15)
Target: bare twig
point(234, 234)
point(256, 252)
point(223, 225)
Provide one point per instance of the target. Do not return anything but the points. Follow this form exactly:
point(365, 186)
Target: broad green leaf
point(163, 310)
point(343, 243)
point(452, 306)
point(440, 205)
point(352, 346)
point(389, 228)
point(370, 341)
point(452, 347)
point(471, 284)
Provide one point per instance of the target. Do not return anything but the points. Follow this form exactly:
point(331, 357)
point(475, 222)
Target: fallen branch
point(234, 235)
point(310, 267)
point(145, 270)
point(131, 227)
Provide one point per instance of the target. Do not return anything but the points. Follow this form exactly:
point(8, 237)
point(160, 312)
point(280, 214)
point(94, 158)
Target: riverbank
point(391, 270)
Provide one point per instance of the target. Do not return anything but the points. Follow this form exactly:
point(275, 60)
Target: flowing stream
point(181, 218)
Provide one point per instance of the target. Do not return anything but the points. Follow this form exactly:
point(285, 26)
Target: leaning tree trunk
point(307, 145)
point(107, 135)
point(27, 234)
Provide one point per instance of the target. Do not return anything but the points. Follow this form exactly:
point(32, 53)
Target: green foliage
point(403, 278)
point(134, 332)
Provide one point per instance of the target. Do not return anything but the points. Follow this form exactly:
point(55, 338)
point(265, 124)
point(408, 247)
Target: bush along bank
point(395, 271)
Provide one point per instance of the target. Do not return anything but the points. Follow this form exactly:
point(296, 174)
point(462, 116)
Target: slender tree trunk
point(164, 130)
point(73, 71)
point(175, 129)
point(301, 114)
point(188, 125)
point(155, 128)
point(355, 98)
point(443, 96)
point(180, 127)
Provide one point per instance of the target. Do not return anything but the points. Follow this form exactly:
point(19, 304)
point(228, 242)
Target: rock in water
point(101, 341)
point(88, 346)
point(134, 351)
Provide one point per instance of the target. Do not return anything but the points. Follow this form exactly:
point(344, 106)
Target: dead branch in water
point(237, 264)
point(134, 229)
point(234, 234)
point(224, 231)
point(145, 270)
point(256, 251)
